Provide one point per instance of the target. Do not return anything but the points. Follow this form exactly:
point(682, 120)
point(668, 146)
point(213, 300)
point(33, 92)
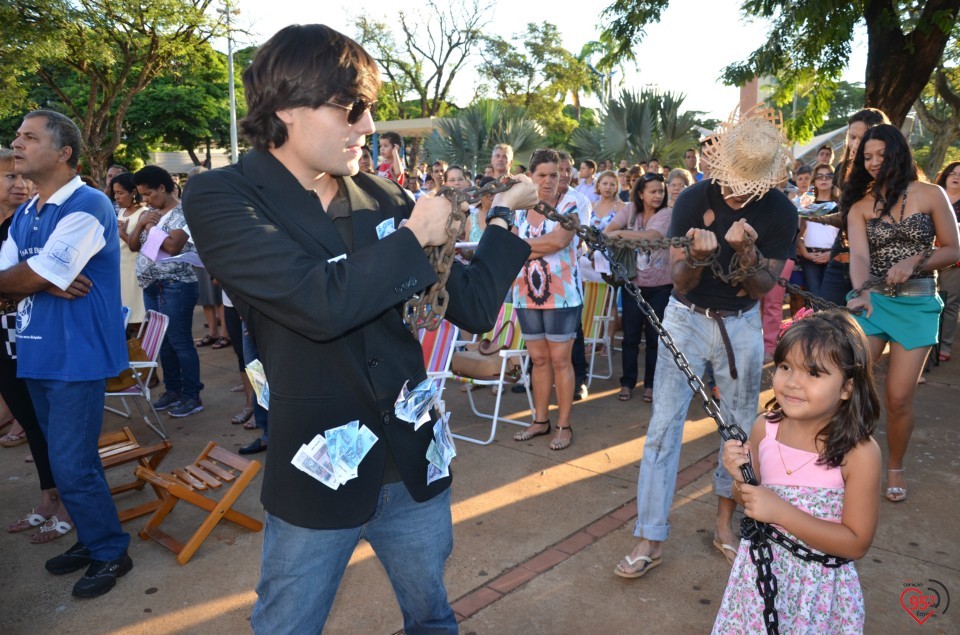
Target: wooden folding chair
point(212, 469)
point(511, 339)
point(122, 448)
point(151, 335)
point(597, 321)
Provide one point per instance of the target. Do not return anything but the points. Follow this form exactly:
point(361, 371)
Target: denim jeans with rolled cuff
point(698, 338)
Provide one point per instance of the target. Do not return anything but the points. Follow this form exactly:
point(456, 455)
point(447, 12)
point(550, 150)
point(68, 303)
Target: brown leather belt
point(717, 315)
point(710, 313)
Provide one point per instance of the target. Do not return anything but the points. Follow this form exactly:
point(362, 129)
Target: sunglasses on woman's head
point(651, 176)
point(356, 110)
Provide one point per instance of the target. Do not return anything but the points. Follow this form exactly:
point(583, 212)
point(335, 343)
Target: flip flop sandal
point(526, 435)
point(648, 395)
point(250, 425)
point(223, 342)
point(8, 422)
point(649, 563)
point(944, 357)
point(729, 552)
point(51, 530)
point(31, 520)
point(625, 394)
point(243, 416)
point(206, 341)
point(557, 444)
point(11, 440)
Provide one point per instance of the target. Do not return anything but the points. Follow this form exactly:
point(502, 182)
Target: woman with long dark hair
point(836, 278)
point(646, 217)
point(892, 221)
point(949, 180)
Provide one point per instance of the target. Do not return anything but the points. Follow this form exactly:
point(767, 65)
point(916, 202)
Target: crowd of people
point(73, 254)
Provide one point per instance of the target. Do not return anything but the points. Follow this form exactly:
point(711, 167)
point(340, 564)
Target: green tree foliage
point(938, 109)
point(809, 44)
point(468, 139)
point(535, 73)
point(638, 126)
point(847, 99)
point(95, 57)
point(186, 107)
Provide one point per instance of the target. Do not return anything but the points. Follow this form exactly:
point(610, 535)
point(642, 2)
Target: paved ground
point(537, 534)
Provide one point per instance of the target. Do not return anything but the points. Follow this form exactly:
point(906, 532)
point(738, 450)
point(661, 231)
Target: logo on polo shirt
point(24, 311)
point(63, 254)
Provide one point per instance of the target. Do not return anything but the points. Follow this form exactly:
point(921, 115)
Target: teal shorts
point(912, 321)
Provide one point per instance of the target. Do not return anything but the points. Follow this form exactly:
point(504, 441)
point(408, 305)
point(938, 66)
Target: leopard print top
point(893, 240)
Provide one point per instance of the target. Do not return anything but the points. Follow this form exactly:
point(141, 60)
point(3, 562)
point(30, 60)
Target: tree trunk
point(193, 156)
point(938, 149)
point(898, 65)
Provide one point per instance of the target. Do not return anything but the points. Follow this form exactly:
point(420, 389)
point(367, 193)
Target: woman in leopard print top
point(892, 223)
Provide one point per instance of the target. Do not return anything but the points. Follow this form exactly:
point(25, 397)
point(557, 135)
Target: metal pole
point(233, 95)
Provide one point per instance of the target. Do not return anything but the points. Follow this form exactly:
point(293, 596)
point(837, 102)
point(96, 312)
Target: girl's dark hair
point(835, 336)
point(543, 155)
point(125, 180)
point(446, 173)
point(637, 190)
point(896, 173)
point(154, 177)
point(303, 66)
point(945, 172)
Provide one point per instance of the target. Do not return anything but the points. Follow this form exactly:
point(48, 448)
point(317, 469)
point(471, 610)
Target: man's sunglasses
point(356, 110)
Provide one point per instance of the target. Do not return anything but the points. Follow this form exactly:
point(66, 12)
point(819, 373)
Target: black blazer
point(330, 334)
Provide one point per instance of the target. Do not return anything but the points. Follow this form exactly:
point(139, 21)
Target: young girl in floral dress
point(819, 473)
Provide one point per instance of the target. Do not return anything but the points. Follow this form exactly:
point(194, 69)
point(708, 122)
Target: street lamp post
point(227, 12)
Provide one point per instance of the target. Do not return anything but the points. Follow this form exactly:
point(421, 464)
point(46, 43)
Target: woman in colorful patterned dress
point(548, 298)
point(819, 468)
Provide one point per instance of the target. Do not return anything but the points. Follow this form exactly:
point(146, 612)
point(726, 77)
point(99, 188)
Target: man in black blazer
point(291, 232)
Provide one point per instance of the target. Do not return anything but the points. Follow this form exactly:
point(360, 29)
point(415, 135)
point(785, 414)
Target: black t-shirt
point(773, 217)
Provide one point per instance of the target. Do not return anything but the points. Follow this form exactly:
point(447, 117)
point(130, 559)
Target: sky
point(685, 52)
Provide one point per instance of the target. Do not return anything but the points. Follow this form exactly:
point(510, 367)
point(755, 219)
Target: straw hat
point(749, 154)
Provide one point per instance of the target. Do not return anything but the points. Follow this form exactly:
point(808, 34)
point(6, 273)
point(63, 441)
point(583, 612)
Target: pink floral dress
point(811, 598)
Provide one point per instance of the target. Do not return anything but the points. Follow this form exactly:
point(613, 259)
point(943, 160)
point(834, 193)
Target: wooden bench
point(121, 448)
point(214, 468)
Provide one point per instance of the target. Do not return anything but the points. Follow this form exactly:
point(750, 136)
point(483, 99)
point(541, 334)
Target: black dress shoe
point(73, 559)
point(101, 576)
point(253, 448)
point(518, 388)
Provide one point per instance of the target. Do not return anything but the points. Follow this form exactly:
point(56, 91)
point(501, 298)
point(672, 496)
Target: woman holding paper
point(169, 286)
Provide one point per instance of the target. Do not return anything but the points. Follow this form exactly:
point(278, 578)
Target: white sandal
point(33, 519)
point(53, 525)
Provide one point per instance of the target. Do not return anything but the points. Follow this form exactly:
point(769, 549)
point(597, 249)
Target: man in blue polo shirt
point(62, 263)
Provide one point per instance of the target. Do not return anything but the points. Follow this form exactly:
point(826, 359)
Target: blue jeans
point(70, 414)
point(178, 354)
point(634, 325)
point(302, 568)
point(813, 275)
point(260, 414)
point(836, 284)
point(698, 338)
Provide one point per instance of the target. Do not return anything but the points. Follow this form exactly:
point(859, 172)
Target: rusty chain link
point(427, 310)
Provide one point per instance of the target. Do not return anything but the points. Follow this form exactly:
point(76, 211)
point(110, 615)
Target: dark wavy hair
point(126, 181)
point(896, 173)
point(640, 184)
point(945, 172)
point(303, 66)
point(835, 336)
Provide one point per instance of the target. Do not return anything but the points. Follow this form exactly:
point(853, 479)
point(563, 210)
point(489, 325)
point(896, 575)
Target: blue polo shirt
point(69, 340)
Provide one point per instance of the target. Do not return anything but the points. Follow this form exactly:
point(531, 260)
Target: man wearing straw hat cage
point(737, 211)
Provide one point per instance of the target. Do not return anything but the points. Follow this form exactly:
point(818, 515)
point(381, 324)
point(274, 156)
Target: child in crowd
point(819, 469)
